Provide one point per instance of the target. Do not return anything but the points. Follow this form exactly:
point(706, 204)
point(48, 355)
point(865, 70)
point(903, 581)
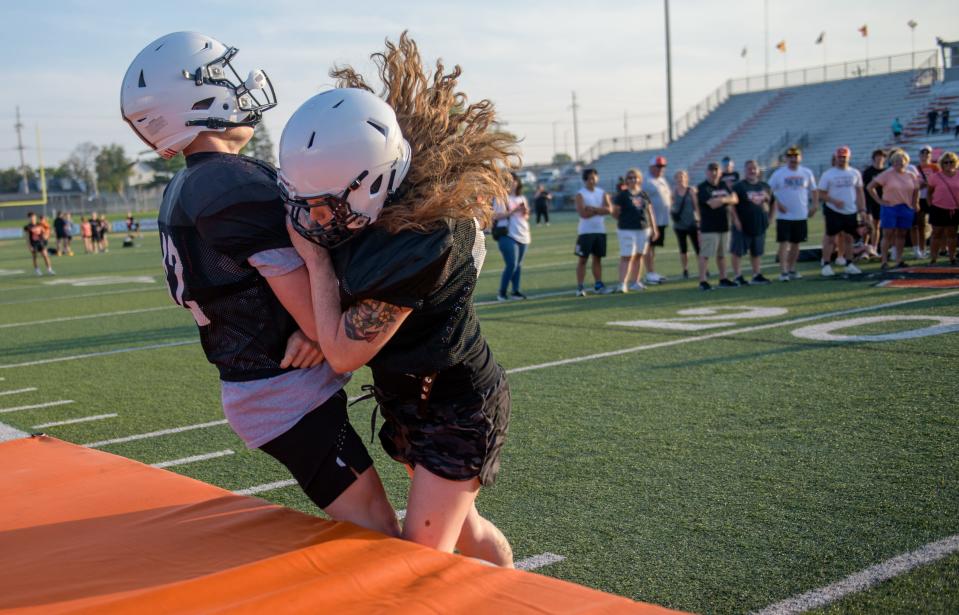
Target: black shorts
point(791, 231)
point(322, 451)
point(682, 236)
point(38, 246)
point(840, 223)
point(943, 217)
point(590, 244)
point(875, 210)
point(923, 207)
point(659, 240)
point(458, 439)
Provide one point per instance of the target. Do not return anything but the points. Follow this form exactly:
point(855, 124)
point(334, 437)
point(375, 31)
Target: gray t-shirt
point(260, 410)
point(661, 196)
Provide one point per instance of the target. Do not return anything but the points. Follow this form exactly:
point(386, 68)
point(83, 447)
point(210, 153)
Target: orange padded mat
point(84, 531)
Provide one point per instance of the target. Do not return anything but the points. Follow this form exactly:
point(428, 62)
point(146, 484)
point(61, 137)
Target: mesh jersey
point(216, 213)
point(434, 274)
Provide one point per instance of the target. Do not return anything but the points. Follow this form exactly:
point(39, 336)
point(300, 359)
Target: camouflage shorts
point(459, 439)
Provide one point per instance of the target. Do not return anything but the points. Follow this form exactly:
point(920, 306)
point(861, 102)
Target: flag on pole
point(822, 37)
point(864, 30)
point(742, 54)
point(912, 23)
point(781, 46)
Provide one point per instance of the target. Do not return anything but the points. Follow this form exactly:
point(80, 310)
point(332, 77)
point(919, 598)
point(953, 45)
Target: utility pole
point(23, 166)
point(555, 122)
point(625, 130)
point(669, 80)
point(575, 108)
point(766, 36)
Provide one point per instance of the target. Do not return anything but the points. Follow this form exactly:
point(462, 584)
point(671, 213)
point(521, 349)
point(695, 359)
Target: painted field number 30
point(824, 332)
point(697, 319)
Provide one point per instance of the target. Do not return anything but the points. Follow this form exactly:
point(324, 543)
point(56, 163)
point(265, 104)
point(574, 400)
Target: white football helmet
point(184, 83)
point(344, 150)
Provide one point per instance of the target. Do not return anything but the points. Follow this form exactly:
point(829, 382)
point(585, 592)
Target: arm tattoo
point(365, 320)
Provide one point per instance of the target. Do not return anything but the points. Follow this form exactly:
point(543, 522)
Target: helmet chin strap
point(214, 123)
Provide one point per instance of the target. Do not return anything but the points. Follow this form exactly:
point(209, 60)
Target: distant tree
point(113, 168)
point(562, 159)
point(81, 163)
point(165, 169)
point(261, 145)
point(10, 180)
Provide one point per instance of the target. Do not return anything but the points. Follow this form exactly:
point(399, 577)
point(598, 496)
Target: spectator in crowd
point(685, 218)
point(944, 208)
point(47, 230)
point(925, 169)
point(104, 231)
point(712, 200)
point(750, 220)
point(58, 232)
point(897, 130)
point(792, 186)
point(513, 218)
point(541, 202)
point(932, 116)
point(96, 233)
point(635, 227)
point(899, 200)
point(730, 175)
point(592, 204)
point(878, 166)
point(659, 192)
point(840, 189)
point(67, 233)
point(86, 233)
point(133, 226)
point(37, 243)
point(945, 121)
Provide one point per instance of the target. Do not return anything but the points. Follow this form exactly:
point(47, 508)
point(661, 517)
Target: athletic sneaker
point(705, 286)
point(601, 289)
point(659, 278)
point(760, 279)
point(580, 292)
point(516, 296)
point(637, 286)
point(892, 253)
point(741, 281)
point(685, 274)
point(827, 271)
point(901, 265)
point(795, 275)
point(37, 271)
point(852, 269)
point(784, 277)
point(841, 261)
point(917, 251)
point(620, 289)
point(501, 297)
point(652, 278)
point(727, 283)
point(51, 271)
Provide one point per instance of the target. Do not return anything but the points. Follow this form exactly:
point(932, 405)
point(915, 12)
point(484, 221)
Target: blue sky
point(66, 59)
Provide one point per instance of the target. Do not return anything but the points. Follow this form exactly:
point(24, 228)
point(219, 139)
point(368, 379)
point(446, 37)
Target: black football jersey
point(434, 274)
point(216, 213)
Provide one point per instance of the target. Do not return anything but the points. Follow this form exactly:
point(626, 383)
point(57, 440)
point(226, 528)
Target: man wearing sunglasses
point(792, 186)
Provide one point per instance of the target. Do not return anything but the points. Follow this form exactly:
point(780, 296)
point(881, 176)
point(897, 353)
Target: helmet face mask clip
point(215, 73)
point(343, 223)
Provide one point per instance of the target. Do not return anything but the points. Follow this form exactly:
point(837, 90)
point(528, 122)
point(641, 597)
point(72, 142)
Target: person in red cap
point(661, 195)
point(841, 190)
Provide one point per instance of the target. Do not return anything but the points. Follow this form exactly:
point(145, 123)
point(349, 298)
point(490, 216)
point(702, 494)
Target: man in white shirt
point(792, 186)
point(840, 188)
point(661, 195)
point(592, 204)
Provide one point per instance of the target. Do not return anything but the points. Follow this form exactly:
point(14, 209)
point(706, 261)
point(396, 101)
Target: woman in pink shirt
point(899, 200)
point(944, 208)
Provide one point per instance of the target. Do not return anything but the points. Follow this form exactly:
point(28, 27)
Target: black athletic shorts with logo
point(459, 439)
point(791, 231)
point(322, 451)
point(840, 223)
point(590, 244)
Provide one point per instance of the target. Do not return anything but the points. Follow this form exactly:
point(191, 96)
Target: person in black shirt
point(713, 199)
point(633, 211)
point(541, 201)
point(869, 173)
point(750, 221)
point(730, 175)
point(932, 116)
point(399, 237)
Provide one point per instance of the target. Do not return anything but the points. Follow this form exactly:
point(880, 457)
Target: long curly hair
point(460, 162)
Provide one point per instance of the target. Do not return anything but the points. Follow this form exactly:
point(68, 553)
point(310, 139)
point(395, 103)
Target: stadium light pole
point(766, 48)
point(669, 82)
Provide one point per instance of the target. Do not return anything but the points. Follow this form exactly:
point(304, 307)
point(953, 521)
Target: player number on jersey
point(174, 278)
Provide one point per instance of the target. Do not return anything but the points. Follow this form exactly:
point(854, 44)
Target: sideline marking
point(699, 318)
point(727, 333)
point(15, 391)
point(8, 432)
point(70, 318)
point(191, 459)
point(81, 296)
point(6, 272)
point(99, 354)
point(823, 332)
point(280, 484)
point(865, 579)
point(97, 417)
point(154, 434)
point(34, 406)
point(103, 280)
point(538, 561)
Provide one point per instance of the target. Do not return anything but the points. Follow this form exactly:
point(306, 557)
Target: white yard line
point(81, 295)
point(538, 561)
point(192, 459)
point(84, 419)
point(8, 432)
point(865, 579)
point(99, 354)
point(15, 391)
point(154, 434)
point(280, 484)
point(71, 318)
point(48, 404)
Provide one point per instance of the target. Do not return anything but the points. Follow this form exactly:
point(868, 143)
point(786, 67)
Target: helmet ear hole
point(204, 104)
point(375, 186)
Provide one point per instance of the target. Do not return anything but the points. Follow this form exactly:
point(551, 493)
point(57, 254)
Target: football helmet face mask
point(342, 150)
point(184, 83)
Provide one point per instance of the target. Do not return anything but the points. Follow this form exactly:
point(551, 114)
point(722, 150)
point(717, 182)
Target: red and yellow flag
point(864, 30)
point(781, 46)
